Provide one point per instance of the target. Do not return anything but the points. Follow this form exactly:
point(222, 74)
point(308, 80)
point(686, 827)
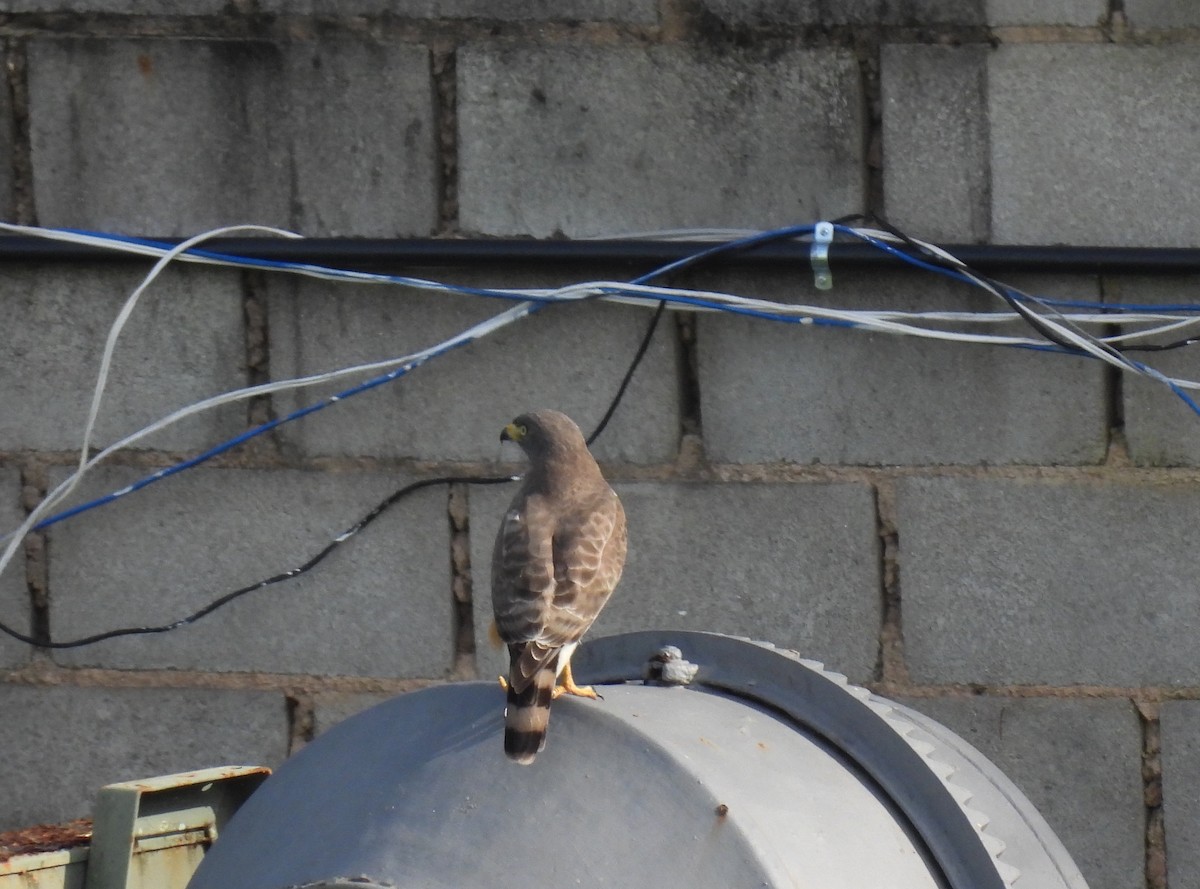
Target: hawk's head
point(541, 433)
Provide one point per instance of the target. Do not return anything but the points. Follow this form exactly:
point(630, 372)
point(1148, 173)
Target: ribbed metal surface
point(767, 771)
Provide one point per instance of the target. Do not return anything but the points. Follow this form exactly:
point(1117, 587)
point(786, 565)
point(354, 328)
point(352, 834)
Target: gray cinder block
point(792, 564)
point(935, 141)
point(177, 136)
point(1104, 157)
point(569, 357)
point(62, 744)
point(1048, 582)
point(1181, 777)
point(14, 596)
point(330, 708)
point(7, 201)
point(1078, 13)
point(1078, 761)
point(1162, 14)
point(183, 342)
point(588, 140)
point(802, 394)
point(380, 605)
point(1160, 428)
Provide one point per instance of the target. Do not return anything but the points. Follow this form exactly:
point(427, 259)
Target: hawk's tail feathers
point(527, 716)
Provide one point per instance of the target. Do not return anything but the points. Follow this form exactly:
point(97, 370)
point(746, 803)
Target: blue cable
point(393, 374)
point(749, 241)
point(284, 265)
point(396, 373)
point(1187, 399)
point(701, 303)
point(677, 265)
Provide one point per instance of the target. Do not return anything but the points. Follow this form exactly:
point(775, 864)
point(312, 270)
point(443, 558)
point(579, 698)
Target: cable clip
point(818, 255)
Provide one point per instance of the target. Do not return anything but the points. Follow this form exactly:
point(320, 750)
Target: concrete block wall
point(999, 538)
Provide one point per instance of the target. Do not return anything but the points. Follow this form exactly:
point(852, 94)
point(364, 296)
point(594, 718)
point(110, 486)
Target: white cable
point(1058, 323)
point(880, 321)
point(1065, 328)
point(583, 290)
point(64, 488)
point(68, 485)
point(620, 292)
point(305, 269)
point(891, 322)
point(114, 332)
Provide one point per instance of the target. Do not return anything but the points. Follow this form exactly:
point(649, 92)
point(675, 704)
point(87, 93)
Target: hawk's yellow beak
point(512, 432)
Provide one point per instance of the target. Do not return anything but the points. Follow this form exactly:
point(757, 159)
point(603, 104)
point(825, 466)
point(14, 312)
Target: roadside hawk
point(558, 556)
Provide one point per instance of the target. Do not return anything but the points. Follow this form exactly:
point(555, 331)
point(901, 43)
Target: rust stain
point(45, 838)
point(212, 775)
point(722, 810)
point(145, 64)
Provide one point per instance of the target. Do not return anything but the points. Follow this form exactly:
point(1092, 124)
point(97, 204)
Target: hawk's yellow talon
point(567, 686)
point(503, 683)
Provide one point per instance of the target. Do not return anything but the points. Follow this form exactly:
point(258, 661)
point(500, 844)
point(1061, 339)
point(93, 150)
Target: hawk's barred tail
point(527, 716)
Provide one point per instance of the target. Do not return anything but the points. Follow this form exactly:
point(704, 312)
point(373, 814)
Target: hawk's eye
point(523, 430)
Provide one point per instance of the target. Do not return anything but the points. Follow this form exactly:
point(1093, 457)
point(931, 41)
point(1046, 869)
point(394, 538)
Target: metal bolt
point(667, 667)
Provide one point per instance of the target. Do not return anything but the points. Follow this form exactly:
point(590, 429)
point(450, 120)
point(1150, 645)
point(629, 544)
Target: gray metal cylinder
point(764, 771)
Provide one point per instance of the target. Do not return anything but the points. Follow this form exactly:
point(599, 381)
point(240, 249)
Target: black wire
point(1032, 318)
point(633, 366)
point(1164, 347)
point(927, 255)
point(277, 578)
point(877, 221)
point(358, 526)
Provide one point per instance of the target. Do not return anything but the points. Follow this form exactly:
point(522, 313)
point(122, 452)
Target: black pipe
point(398, 255)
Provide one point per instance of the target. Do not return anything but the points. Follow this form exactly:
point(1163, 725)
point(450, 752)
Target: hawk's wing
point(589, 555)
point(553, 568)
